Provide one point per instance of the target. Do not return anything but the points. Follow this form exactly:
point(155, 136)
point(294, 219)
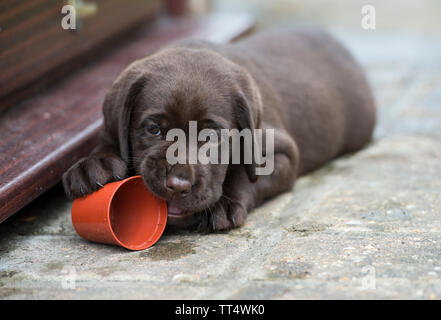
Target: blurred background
point(402, 16)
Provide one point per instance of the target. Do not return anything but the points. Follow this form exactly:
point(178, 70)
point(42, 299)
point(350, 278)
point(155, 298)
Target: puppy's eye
point(215, 136)
point(154, 129)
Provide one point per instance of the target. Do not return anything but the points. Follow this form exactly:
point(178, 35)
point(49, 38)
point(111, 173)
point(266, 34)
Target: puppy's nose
point(178, 186)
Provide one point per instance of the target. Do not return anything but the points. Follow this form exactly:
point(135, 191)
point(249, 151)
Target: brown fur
point(302, 83)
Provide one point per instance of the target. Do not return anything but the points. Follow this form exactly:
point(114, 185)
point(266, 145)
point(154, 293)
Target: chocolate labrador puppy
point(302, 83)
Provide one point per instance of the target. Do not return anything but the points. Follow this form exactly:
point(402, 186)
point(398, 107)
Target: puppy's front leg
point(102, 166)
point(240, 195)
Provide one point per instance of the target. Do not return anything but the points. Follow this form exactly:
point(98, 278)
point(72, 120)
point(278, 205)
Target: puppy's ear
point(248, 110)
point(117, 109)
point(245, 120)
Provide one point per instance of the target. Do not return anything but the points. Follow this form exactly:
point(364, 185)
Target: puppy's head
point(167, 91)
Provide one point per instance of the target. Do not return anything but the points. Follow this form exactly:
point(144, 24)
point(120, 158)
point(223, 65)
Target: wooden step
point(46, 134)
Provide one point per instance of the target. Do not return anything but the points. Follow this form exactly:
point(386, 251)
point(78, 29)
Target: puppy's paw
point(90, 174)
point(225, 215)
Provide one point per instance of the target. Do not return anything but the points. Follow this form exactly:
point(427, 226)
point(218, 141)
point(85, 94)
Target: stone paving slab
point(364, 226)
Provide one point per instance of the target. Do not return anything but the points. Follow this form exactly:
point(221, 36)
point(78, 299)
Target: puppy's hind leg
point(286, 167)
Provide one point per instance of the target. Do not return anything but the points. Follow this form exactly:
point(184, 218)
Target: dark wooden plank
point(33, 43)
point(46, 134)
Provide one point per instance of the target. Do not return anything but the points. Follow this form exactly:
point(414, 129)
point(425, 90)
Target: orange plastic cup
point(123, 213)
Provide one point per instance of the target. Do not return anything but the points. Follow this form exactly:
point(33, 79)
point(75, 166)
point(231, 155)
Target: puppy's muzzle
point(178, 187)
point(180, 180)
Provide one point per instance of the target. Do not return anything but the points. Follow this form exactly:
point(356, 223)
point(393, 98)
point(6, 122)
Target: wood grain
point(33, 43)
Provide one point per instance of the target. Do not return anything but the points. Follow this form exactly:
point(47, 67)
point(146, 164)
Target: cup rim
point(109, 224)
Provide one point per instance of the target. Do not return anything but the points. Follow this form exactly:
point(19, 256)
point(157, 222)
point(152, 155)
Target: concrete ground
point(364, 226)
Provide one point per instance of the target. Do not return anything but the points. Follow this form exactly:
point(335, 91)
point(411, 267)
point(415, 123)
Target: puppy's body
point(301, 83)
point(311, 87)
